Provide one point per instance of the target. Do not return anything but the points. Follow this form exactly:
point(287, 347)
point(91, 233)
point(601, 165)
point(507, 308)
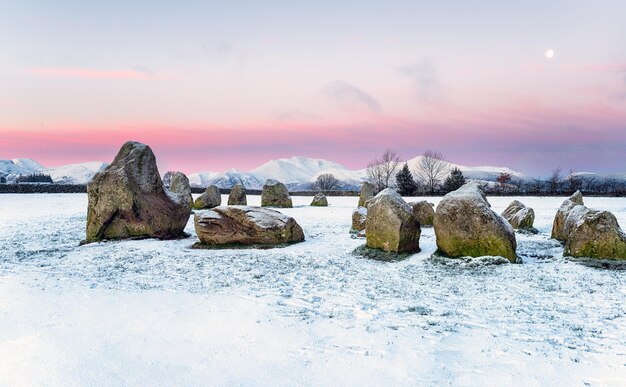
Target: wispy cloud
point(138, 73)
point(347, 93)
point(426, 80)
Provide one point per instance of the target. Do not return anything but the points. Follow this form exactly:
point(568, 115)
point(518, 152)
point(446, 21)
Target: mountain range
point(298, 173)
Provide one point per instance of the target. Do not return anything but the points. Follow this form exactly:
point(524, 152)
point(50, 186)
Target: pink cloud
point(83, 73)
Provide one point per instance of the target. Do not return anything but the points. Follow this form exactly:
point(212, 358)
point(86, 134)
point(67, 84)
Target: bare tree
point(555, 180)
point(574, 182)
point(432, 168)
point(326, 182)
point(380, 172)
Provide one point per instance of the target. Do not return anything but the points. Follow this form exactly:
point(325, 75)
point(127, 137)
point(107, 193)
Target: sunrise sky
point(215, 85)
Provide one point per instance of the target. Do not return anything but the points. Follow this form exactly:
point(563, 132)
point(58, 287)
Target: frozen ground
point(158, 313)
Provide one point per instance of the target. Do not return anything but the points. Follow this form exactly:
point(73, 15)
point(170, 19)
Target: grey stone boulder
point(424, 212)
point(237, 196)
point(367, 192)
point(558, 225)
point(465, 225)
point(359, 218)
point(594, 234)
point(519, 216)
point(128, 200)
point(179, 184)
point(243, 225)
point(210, 198)
point(391, 224)
point(319, 200)
point(275, 194)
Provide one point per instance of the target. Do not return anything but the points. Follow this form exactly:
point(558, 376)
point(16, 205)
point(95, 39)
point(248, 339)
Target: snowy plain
point(157, 313)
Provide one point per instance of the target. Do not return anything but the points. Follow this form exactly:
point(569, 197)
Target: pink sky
point(227, 86)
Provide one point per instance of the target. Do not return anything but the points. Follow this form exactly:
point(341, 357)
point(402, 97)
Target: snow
point(155, 312)
point(80, 173)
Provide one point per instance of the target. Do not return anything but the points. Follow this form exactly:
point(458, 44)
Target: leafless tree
point(574, 182)
point(326, 182)
point(555, 180)
point(381, 172)
point(432, 168)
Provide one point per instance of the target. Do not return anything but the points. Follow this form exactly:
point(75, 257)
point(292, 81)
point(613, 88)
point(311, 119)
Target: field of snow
point(159, 313)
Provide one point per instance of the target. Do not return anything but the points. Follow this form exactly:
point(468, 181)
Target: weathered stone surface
point(465, 225)
point(179, 184)
point(424, 212)
point(359, 218)
point(391, 225)
point(237, 196)
point(367, 192)
point(558, 226)
point(242, 225)
point(519, 216)
point(210, 198)
point(275, 194)
point(128, 200)
point(594, 234)
point(320, 200)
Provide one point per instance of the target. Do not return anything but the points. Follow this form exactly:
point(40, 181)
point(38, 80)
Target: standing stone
point(320, 200)
point(367, 192)
point(242, 225)
point(594, 234)
point(519, 216)
point(465, 225)
point(359, 218)
point(424, 212)
point(209, 199)
point(391, 225)
point(237, 196)
point(179, 184)
point(128, 200)
point(275, 194)
point(558, 226)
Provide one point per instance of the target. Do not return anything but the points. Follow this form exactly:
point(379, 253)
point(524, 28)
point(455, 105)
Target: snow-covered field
point(158, 313)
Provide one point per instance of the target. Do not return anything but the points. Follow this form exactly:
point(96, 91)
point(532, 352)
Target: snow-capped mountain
point(486, 173)
point(298, 173)
point(79, 173)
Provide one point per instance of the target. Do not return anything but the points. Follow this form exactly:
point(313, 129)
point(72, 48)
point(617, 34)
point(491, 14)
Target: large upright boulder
point(558, 225)
point(128, 200)
point(391, 225)
point(367, 192)
point(519, 216)
point(319, 200)
point(210, 198)
point(424, 212)
point(242, 225)
point(179, 185)
point(275, 194)
point(237, 196)
point(465, 225)
point(594, 234)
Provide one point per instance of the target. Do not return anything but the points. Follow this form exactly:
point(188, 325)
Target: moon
point(550, 54)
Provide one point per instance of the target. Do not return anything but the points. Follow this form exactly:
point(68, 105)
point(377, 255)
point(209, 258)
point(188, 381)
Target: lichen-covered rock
point(594, 234)
point(424, 212)
point(210, 198)
point(179, 184)
point(275, 194)
point(367, 192)
point(465, 225)
point(237, 196)
point(391, 225)
point(558, 226)
point(519, 216)
point(359, 218)
point(128, 200)
point(320, 200)
point(242, 225)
